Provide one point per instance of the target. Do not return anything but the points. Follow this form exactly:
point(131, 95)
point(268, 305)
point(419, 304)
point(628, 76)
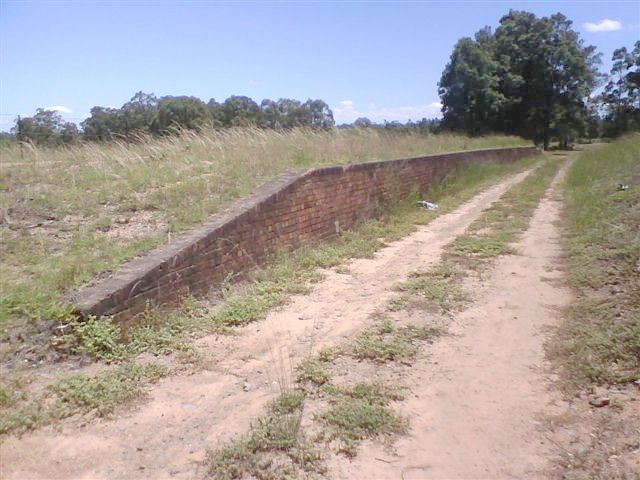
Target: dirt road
point(478, 399)
point(473, 410)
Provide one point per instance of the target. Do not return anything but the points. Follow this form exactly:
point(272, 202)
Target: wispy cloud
point(347, 111)
point(605, 25)
point(59, 108)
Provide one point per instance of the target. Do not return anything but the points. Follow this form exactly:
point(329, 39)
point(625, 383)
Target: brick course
point(298, 207)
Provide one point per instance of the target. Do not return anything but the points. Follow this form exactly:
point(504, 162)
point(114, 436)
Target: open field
point(69, 214)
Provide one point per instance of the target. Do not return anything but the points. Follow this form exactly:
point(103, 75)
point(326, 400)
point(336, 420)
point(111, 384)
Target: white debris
point(428, 205)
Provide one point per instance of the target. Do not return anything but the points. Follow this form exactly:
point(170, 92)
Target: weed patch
point(100, 393)
point(386, 343)
point(361, 412)
point(103, 339)
point(439, 287)
point(314, 371)
point(103, 393)
point(274, 448)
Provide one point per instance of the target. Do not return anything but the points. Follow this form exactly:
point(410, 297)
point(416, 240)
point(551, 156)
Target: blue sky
point(382, 60)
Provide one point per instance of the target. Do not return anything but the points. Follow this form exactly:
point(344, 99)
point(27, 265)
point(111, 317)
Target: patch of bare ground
point(168, 435)
point(480, 399)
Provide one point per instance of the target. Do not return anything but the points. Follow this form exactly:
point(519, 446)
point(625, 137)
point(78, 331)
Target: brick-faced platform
point(298, 207)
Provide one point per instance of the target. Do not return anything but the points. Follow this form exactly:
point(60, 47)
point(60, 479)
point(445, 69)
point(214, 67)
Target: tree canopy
point(621, 96)
point(532, 77)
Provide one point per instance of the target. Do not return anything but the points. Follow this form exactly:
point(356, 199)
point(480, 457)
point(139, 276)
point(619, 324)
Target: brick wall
point(299, 207)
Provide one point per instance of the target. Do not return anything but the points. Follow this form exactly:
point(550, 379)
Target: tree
point(180, 112)
point(531, 78)
point(318, 114)
point(283, 114)
point(469, 87)
point(621, 96)
point(140, 113)
point(240, 111)
point(215, 113)
point(292, 113)
point(104, 124)
point(69, 133)
point(362, 122)
point(269, 114)
point(46, 127)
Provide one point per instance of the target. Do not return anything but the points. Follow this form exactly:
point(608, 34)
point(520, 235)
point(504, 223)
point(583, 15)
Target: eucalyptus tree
point(621, 95)
point(532, 77)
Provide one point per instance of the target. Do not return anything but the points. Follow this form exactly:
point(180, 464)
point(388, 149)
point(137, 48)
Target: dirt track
point(475, 399)
point(478, 400)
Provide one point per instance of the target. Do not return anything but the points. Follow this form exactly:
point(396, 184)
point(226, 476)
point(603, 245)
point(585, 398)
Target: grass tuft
point(274, 448)
point(439, 286)
point(361, 412)
point(314, 371)
point(386, 343)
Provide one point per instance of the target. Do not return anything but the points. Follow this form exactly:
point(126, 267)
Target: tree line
point(535, 78)
point(147, 114)
point(532, 77)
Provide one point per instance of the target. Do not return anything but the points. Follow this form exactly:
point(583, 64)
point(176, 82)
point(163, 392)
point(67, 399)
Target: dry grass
point(67, 214)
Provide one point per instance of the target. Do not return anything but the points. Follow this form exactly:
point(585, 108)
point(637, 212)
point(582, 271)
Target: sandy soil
point(479, 400)
point(168, 435)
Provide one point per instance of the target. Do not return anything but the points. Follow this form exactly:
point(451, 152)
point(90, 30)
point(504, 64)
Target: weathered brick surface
point(299, 207)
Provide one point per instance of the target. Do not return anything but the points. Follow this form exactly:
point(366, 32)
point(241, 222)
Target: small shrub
point(288, 402)
point(361, 412)
point(98, 337)
point(313, 371)
point(104, 392)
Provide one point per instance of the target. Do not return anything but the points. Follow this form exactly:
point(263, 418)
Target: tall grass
point(600, 342)
point(70, 213)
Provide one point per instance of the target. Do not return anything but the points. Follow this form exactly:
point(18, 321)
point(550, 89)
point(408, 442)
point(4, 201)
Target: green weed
point(103, 393)
point(439, 286)
point(274, 448)
point(100, 393)
point(288, 402)
point(361, 412)
point(386, 343)
point(314, 371)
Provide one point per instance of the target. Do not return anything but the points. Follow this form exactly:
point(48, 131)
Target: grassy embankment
point(598, 346)
point(164, 333)
point(69, 214)
point(603, 332)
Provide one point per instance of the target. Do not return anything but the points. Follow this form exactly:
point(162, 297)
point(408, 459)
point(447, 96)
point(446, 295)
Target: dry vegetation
point(170, 334)
point(597, 349)
point(67, 214)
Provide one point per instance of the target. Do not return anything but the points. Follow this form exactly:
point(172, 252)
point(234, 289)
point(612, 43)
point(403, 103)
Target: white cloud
point(347, 112)
point(59, 108)
point(605, 25)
